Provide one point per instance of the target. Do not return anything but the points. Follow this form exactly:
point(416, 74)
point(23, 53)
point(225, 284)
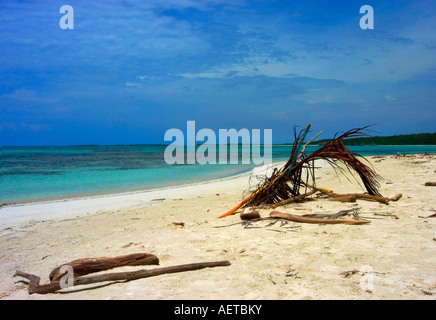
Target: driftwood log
point(370, 197)
point(342, 213)
point(53, 286)
point(363, 196)
point(86, 266)
point(292, 199)
point(344, 198)
point(296, 218)
point(352, 196)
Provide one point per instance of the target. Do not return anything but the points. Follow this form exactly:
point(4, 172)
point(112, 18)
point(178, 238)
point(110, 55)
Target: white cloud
point(130, 84)
point(250, 67)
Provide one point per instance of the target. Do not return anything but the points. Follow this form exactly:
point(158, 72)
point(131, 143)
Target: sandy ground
point(392, 257)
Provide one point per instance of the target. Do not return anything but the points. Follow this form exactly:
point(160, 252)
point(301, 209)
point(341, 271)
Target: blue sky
point(130, 70)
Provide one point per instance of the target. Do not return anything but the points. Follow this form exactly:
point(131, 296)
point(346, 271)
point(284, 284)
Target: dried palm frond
point(286, 182)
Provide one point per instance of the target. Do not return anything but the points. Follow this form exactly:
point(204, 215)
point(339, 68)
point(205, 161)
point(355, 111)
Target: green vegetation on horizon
point(404, 139)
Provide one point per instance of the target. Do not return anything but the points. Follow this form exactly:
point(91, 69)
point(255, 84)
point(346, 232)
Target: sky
point(131, 70)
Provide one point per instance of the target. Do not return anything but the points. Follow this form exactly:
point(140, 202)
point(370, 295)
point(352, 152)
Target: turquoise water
point(39, 173)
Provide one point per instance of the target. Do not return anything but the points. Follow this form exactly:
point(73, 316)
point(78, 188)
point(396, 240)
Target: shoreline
point(146, 187)
point(116, 193)
point(20, 212)
point(157, 186)
point(46, 209)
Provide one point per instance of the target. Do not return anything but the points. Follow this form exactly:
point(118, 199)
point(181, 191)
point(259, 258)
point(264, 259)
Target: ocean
point(45, 173)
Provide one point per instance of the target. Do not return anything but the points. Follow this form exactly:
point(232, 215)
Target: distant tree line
point(404, 139)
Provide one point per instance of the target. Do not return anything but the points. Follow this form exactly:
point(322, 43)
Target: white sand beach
point(392, 257)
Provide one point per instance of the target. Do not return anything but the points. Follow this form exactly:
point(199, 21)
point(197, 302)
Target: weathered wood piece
point(396, 197)
point(292, 199)
point(364, 196)
point(344, 198)
point(393, 216)
point(53, 286)
point(249, 213)
point(342, 213)
point(85, 266)
point(182, 224)
point(433, 215)
point(277, 214)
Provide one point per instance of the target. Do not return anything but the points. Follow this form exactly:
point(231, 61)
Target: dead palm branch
point(286, 182)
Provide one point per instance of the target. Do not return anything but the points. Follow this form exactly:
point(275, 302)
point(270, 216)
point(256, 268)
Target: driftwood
point(292, 199)
point(249, 213)
point(277, 214)
point(393, 216)
point(182, 224)
point(334, 215)
point(430, 184)
point(351, 197)
point(53, 286)
point(370, 197)
point(364, 196)
point(433, 215)
point(344, 198)
point(82, 267)
point(247, 224)
point(396, 197)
